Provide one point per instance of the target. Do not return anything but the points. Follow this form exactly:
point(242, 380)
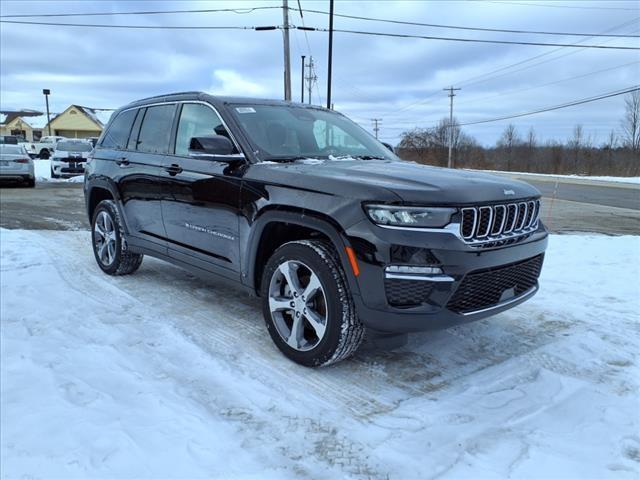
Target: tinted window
point(118, 133)
point(156, 129)
point(74, 146)
point(197, 120)
point(133, 138)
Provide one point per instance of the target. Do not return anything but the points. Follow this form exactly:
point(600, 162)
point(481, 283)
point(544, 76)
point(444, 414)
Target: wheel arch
point(261, 245)
point(101, 189)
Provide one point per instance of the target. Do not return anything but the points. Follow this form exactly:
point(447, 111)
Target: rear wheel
point(44, 154)
point(30, 182)
point(307, 305)
point(109, 245)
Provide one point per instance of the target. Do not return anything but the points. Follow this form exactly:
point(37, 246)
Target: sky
point(398, 80)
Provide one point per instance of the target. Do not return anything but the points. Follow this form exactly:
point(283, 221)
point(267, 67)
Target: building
point(74, 122)
point(24, 123)
point(78, 122)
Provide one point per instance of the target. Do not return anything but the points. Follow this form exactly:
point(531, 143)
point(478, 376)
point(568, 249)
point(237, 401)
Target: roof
point(214, 100)
point(98, 115)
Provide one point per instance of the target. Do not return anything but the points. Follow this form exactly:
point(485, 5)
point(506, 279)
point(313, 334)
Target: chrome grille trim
point(517, 219)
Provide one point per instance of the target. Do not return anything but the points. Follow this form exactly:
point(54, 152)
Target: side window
point(118, 133)
point(197, 120)
point(156, 129)
point(135, 131)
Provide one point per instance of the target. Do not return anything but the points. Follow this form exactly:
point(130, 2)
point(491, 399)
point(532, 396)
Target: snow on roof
point(3, 117)
point(100, 116)
point(37, 122)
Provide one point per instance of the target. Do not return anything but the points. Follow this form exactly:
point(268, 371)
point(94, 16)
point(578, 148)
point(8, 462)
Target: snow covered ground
point(634, 180)
point(161, 375)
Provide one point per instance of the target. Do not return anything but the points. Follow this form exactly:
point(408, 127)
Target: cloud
point(231, 83)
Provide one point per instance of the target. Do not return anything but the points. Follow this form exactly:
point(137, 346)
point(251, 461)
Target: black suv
point(304, 208)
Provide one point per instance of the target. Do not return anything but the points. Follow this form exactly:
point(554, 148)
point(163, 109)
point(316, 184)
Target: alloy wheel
point(105, 238)
point(298, 305)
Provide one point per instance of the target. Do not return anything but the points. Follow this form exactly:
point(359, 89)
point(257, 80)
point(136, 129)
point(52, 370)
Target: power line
point(151, 12)
point(471, 40)
point(519, 90)
point(458, 27)
point(488, 75)
point(144, 27)
point(551, 5)
point(558, 107)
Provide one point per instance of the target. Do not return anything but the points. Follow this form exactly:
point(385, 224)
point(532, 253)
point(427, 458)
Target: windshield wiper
point(362, 157)
point(285, 158)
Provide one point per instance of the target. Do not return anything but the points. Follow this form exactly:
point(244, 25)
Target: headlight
point(401, 216)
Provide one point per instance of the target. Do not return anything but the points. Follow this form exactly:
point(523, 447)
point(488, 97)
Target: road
point(575, 208)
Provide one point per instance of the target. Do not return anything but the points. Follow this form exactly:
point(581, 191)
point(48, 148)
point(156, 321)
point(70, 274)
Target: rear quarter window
point(118, 133)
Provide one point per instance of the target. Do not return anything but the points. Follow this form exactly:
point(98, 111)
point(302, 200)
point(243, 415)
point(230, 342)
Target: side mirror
point(389, 146)
point(213, 147)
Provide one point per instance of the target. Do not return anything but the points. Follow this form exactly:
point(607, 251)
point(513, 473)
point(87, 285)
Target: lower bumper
point(471, 284)
point(387, 321)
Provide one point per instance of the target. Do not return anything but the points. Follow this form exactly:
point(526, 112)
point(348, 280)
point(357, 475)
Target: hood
point(387, 180)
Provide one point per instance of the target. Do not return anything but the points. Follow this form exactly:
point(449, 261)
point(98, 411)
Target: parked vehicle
point(47, 145)
point(299, 205)
point(93, 140)
point(16, 165)
point(69, 158)
point(8, 140)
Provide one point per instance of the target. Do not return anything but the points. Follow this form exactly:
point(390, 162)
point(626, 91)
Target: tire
point(44, 154)
point(106, 226)
point(54, 175)
point(328, 329)
point(30, 182)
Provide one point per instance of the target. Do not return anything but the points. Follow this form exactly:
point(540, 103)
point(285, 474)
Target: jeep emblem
point(509, 192)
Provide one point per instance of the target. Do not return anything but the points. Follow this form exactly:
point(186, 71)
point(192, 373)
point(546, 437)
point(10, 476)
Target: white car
point(45, 147)
point(16, 164)
point(70, 157)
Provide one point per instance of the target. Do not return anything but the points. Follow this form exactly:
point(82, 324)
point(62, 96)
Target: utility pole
point(287, 58)
point(302, 81)
point(451, 95)
point(311, 77)
point(376, 127)
point(46, 92)
point(330, 53)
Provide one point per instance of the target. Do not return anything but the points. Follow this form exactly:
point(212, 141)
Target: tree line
point(618, 155)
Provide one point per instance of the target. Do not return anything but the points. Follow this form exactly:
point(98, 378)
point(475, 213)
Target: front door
point(201, 208)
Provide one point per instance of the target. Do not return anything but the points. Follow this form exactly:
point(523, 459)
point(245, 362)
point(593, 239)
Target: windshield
point(290, 131)
point(74, 147)
point(11, 149)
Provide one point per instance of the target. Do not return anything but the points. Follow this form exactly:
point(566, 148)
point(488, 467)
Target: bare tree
point(510, 137)
point(631, 121)
point(531, 139)
point(612, 140)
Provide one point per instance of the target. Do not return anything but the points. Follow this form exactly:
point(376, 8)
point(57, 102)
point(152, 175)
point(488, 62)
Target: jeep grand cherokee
point(302, 207)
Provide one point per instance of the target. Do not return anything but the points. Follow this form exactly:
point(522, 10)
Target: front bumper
point(378, 247)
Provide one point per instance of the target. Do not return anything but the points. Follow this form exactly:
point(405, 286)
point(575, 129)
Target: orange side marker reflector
point(352, 260)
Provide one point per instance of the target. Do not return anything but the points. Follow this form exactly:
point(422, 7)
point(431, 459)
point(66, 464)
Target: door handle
point(173, 169)
point(123, 162)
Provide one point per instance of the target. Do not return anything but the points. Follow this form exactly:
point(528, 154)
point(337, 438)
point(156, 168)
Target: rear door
point(200, 211)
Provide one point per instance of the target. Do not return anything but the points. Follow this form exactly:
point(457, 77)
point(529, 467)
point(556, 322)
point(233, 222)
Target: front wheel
point(54, 174)
point(307, 304)
point(109, 246)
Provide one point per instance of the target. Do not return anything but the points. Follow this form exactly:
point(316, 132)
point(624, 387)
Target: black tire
point(44, 154)
point(30, 182)
point(343, 331)
point(123, 261)
point(54, 175)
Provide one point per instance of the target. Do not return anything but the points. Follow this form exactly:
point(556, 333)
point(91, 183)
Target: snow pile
point(160, 374)
point(634, 180)
point(43, 173)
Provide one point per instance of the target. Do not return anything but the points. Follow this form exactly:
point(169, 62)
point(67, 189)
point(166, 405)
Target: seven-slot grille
point(497, 222)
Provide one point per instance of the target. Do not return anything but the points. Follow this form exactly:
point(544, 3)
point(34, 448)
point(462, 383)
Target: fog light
point(413, 270)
